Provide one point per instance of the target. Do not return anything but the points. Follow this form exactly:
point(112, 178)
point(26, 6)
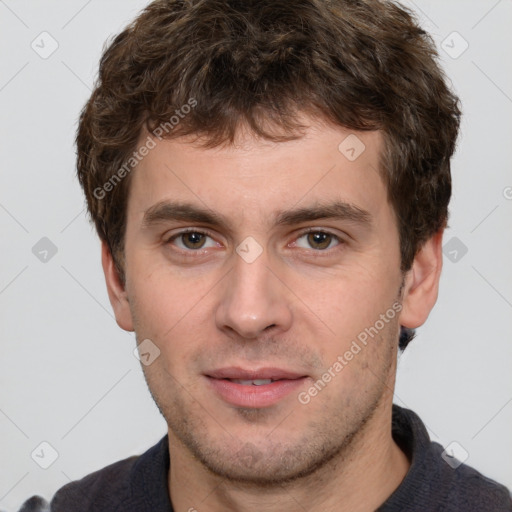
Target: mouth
point(254, 388)
point(253, 382)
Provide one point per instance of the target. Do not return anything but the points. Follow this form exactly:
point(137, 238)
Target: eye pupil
point(319, 240)
point(193, 240)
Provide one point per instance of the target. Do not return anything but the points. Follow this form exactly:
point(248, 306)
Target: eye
point(192, 240)
point(318, 240)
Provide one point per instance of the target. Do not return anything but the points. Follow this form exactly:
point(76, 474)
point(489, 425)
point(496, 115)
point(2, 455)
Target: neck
point(359, 479)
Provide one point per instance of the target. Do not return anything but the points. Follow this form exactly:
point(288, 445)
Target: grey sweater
point(139, 484)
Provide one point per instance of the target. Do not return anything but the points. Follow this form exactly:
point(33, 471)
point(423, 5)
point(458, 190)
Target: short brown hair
point(360, 64)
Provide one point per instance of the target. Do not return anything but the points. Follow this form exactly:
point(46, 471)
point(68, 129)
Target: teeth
point(255, 382)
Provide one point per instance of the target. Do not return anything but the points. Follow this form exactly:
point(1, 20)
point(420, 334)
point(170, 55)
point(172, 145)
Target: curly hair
point(360, 64)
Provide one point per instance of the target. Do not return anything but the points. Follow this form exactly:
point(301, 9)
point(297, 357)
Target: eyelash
point(336, 238)
point(199, 252)
point(184, 232)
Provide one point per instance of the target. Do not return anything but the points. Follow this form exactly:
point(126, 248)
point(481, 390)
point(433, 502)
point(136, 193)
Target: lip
point(251, 396)
point(251, 374)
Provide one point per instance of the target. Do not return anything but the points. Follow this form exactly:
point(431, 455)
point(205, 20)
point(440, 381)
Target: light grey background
point(68, 376)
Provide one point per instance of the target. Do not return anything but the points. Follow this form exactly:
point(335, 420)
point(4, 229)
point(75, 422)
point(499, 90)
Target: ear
point(116, 291)
point(422, 283)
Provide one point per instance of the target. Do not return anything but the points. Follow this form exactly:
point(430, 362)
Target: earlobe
point(116, 290)
point(422, 283)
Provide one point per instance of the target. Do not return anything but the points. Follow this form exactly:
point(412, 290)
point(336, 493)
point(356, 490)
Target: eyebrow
point(338, 210)
point(166, 211)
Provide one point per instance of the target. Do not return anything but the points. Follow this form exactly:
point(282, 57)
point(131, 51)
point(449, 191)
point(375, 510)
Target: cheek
point(162, 298)
point(347, 301)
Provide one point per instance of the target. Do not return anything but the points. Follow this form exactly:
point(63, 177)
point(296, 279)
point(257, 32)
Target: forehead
point(255, 178)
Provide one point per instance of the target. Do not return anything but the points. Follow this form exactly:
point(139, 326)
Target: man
point(270, 182)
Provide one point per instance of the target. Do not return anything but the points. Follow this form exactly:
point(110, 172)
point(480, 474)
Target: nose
point(254, 300)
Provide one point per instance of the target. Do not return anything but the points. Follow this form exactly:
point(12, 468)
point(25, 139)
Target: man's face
point(264, 261)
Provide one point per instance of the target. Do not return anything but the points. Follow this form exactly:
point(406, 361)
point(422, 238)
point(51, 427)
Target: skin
point(298, 306)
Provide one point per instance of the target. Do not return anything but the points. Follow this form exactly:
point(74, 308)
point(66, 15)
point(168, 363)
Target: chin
point(262, 462)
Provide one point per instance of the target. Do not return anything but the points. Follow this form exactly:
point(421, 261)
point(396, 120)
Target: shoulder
point(437, 481)
point(105, 489)
point(465, 488)
point(137, 484)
